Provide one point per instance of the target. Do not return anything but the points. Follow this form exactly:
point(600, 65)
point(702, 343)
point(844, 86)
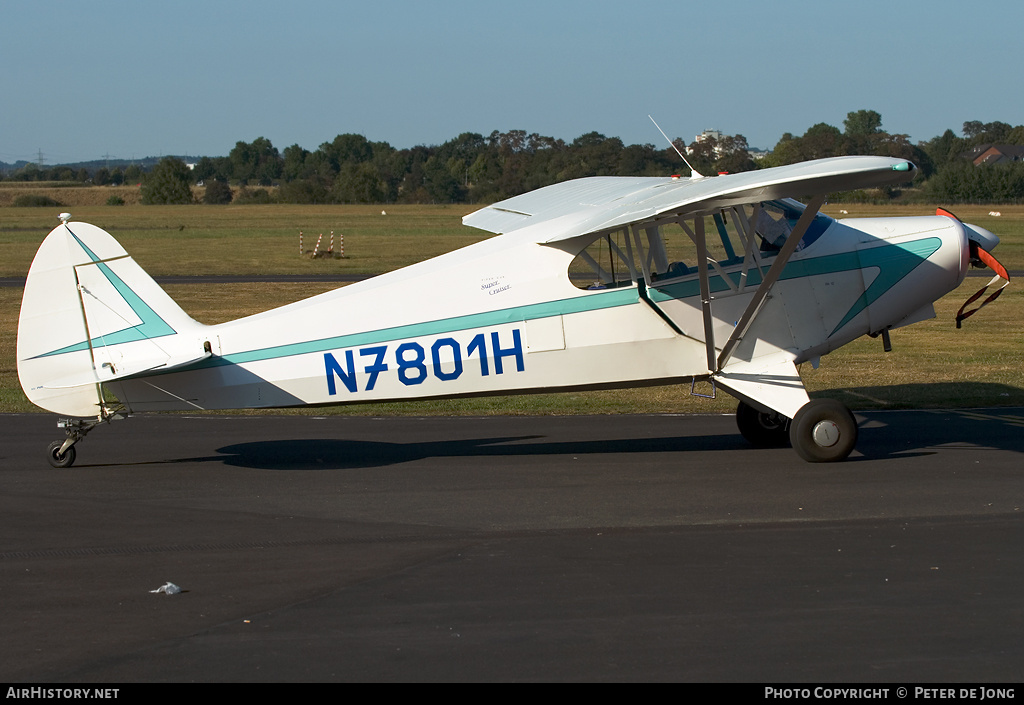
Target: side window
point(676, 242)
point(606, 263)
point(655, 252)
point(661, 250)
point(777, 219)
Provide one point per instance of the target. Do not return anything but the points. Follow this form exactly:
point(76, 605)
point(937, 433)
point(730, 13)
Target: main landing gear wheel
point(58, 460)
point(823, 431)
point(762, 429)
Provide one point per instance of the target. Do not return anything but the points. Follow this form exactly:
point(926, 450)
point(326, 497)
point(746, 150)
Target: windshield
point(777, 219)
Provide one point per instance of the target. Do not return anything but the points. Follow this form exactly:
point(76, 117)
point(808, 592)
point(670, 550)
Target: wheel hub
point(825, 433)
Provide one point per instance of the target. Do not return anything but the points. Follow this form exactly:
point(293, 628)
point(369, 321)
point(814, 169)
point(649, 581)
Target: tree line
point(472, 168)
point(99, 176)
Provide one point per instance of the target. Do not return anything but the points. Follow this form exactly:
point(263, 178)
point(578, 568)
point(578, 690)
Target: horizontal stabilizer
point(110, 373)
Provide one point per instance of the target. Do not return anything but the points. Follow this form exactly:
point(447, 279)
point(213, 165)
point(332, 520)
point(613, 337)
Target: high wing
point(600, 203)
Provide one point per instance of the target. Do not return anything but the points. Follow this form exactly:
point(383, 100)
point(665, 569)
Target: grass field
point(932, 364)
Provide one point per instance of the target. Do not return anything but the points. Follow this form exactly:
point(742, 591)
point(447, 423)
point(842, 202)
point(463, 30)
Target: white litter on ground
point(169, 588)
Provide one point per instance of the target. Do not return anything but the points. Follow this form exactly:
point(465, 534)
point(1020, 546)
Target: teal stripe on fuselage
point(894, 263)
point(590, 302)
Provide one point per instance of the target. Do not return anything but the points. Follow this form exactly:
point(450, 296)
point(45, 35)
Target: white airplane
point(602, 282)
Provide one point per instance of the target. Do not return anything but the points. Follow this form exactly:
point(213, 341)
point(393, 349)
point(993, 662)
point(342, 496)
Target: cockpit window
point(736, 238)
point(776, 221)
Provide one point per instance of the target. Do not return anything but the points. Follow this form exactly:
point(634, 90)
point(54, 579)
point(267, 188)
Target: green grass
point(218, 240)
point(932, 364)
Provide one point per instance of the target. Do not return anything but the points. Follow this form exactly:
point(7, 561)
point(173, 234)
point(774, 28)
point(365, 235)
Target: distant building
point(715, 135)
point(709, 134)
point(995, 154)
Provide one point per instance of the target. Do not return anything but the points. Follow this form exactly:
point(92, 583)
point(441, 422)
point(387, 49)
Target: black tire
point(762, 430)
point(57, 460)
point(823, 431)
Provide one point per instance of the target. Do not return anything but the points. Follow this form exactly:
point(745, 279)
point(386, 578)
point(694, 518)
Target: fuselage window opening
point(737, 237)
point(606, 263)
point(672, 246)
point(776, 220)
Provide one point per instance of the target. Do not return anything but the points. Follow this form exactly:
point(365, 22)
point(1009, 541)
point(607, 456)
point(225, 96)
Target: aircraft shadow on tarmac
point(883, 436)
point(333, 454)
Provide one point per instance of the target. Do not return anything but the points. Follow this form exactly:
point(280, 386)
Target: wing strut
point(745, 321)
point(705, 291)
point(698, 235)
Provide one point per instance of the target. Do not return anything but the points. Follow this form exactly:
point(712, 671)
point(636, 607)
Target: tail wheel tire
point(761, 429)
point(58, 460)
point(823, 431)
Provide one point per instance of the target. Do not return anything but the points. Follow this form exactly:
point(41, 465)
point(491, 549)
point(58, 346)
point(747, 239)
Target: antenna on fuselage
point(694, 174)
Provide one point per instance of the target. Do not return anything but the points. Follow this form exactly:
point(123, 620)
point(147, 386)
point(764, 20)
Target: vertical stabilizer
point(89, 315)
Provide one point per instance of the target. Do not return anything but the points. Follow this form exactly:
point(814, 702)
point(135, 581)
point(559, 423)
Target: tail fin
point(91, 315)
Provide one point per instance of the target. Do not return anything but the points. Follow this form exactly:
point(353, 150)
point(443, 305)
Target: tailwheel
point(823, 431)
point(61, 454)
point(58, 459)
point(762, 429)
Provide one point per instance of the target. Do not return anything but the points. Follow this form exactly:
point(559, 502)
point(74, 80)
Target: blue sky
point(82, 80)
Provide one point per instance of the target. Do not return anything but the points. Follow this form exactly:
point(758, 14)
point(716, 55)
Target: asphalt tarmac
point(600, 548)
